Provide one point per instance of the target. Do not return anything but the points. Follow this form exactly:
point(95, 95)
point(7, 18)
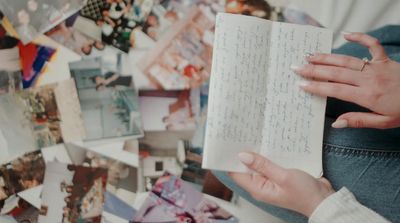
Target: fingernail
point(342, 123)
point(246, 158)
point(345, 32)
point(295, 67)
point(304, 83)
point(307, 56)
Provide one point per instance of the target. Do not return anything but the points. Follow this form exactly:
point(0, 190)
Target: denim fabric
point(366, 161)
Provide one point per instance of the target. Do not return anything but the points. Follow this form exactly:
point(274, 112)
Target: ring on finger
point(365, 62)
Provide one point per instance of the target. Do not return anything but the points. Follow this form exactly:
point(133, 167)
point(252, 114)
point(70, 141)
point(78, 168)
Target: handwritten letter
point(255, 103)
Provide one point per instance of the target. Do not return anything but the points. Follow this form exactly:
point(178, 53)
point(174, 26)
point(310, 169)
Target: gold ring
point(365, 62)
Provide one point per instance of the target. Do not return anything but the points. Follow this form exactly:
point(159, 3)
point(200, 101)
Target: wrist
point(316, 201)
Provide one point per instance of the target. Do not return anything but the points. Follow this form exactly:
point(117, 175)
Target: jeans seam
point(359, 152)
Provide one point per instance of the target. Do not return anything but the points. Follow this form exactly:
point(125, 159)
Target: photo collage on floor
point(103, 105)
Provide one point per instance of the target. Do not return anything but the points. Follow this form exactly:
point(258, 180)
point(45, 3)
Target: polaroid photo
point(72, 193)
point(173, 200)
point(33, 17)
point(169, 110)
point(21, 174)
point(114, 22)
point(108, 98)
point(121, 175)
point(39, 117)
point(181, 59)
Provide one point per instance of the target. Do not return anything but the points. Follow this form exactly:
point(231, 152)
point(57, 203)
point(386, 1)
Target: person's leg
point(366, 161)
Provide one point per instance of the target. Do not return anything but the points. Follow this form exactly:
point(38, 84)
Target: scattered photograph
point(33, 17)
point(18, 175)
point(66, 34)
point(169, 110)
point(108, 98)
point(257, 8)
point(38, 117)
point(10, 70)
point(115, 206)
point(114, 21)
point(21, 211)
point(173, 200)
point(6, 41)
point(34, 59)
point(182, 60)
point(72, 193)
point(10, 82)
point(121, 176)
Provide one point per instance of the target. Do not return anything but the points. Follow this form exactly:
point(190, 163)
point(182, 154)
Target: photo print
point(169, 110)
point(20, 174)
point(114, 21)
point(121, 176)
point(108, 97)
point(34, 59)
point(20, 210)
point(181, 59)
point(68, 35)
point(33, 17)
point(173, 200)
point(257, 8)
point(72, 193)
point(39, 117)
point(10, 70)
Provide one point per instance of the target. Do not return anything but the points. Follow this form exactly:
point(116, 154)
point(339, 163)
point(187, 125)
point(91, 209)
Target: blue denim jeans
point(366, 161)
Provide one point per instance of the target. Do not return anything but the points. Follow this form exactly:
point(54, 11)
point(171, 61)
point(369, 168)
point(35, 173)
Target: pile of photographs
point(104, 100)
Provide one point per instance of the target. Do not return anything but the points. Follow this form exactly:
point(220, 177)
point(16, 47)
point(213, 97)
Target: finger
point(263, 166)
point(335, 60)
point(340, 91)
point(257, 185)
point(329, 73)
point(363, 120)
point(375, 48)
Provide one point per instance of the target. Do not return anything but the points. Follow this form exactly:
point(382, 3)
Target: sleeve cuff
point(342, 207)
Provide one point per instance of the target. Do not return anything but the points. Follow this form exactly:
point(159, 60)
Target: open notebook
point(255, 102)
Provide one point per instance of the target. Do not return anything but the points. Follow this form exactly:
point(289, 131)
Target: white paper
point(255, 103)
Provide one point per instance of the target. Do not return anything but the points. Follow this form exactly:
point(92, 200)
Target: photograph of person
point(115, 20)
point(120, 175)
point(79, 196)
point(33, 17)
point(66, 34)
point(108, 97)
point(169, 110)
point(21, 174)
point(10, 70)
point(10, 81)
point(173, 200)
point(32, 119)
point(182, 62)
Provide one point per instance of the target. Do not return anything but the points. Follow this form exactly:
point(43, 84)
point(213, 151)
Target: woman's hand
point(374, 85)
point(287, 188)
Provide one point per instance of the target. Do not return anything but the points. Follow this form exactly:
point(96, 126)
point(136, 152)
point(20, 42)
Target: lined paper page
point(294, 120)
point(237, 90)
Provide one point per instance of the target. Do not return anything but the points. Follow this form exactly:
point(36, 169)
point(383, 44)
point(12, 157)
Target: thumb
point(362, 120)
